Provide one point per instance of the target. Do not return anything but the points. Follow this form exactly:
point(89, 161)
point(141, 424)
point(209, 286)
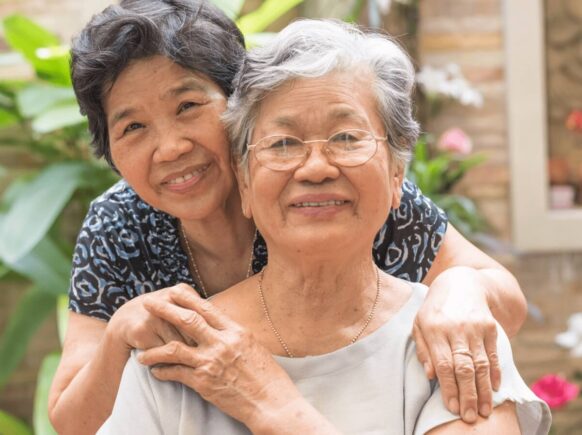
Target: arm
point(502, 291)
point(468, 291)
point(93, 358)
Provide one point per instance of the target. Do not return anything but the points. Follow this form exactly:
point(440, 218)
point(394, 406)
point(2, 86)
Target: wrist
point(114, 337)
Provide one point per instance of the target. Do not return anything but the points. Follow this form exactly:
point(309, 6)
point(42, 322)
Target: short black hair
point(193, 33)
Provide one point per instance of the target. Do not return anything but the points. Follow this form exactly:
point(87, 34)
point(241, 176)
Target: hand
point(456, 339)
point(227, 368)
point(138, 328)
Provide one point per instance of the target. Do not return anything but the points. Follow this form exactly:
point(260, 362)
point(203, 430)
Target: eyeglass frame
point(307, 154)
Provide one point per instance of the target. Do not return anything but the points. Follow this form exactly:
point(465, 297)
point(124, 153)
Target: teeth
point(186, 177)
point(319, 204)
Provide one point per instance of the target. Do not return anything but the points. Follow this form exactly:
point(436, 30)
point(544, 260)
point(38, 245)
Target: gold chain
point(276, 332)
point(195, 266)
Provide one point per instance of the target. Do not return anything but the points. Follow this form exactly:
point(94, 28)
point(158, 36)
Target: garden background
point(466, 162)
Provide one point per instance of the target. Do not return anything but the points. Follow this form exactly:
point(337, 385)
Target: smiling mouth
point(319, 204)
point(183, 178)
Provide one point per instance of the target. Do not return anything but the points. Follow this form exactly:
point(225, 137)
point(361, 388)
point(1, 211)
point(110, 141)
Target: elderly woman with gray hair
point(321, 128)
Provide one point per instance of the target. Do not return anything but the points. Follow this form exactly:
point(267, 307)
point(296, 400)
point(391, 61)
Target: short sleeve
point(533, 414)
point(408, 242)
point(97, 288)
point(136, 409)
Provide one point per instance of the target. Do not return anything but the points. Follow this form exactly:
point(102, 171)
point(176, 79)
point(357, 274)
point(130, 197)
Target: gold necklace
point(276, 332)
point(195, 266)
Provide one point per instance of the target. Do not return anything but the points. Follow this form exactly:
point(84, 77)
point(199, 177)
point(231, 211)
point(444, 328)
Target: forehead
point(336, 97)
point(156, 77)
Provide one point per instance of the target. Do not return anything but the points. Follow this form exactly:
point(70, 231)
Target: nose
point(171, 145)
point(317, 167)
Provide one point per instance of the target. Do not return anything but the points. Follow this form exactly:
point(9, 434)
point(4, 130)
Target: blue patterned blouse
point(126, 248)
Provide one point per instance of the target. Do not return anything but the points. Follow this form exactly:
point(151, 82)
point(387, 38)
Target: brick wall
point(470, 34)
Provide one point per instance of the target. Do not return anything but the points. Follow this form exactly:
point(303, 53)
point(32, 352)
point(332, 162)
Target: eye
point(284, 142)
point(187, 105)
point(132, 127)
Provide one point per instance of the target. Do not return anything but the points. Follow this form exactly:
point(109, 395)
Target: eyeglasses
point(346, 148)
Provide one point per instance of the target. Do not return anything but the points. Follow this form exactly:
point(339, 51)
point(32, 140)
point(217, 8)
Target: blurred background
point(499, 96)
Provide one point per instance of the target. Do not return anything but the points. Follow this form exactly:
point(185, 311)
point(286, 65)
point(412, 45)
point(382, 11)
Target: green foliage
point(42, 425)
point(31, 311)
point(10, 425)
point(436, 174)
point(40, 117)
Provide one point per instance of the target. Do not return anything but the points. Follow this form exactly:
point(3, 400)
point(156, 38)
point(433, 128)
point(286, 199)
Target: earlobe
point(243, 189)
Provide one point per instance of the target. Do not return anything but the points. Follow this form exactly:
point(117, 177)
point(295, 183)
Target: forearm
point(502, 292)
point(505, 298)
point(86, 401)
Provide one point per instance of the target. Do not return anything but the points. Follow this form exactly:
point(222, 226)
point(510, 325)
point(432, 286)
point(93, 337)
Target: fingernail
point(454, 405)
point(485, 410)
point(469, 415)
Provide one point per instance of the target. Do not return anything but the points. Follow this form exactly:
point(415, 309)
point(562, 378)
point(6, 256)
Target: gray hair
point(313, 49)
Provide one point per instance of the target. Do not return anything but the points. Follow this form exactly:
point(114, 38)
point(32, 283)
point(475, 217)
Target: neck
point(221, 246)
point(319, 308)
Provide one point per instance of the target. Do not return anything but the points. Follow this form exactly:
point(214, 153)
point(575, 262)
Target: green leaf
point(58, 117)
point(29, 314)
point(7, 118)
point(39, 203)
point(230, 7)
point(46, 266)
point(37, 98)
point(42, 425)
point(27, 37)
point(10, 425)
point(62, 316)
point(265, 15)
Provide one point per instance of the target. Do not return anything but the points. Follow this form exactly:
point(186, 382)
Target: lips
point(319, 203)
point(180, 178)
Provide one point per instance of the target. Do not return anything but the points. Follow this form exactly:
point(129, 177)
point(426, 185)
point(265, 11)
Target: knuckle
point(464, 371)
point(444, 367)
point(173, 348)
point(481, 365)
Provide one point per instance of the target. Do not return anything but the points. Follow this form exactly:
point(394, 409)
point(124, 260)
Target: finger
point(465, 376)
point(482, 379)
point(490, 343)
point(174, 373)
point(186, 297)
point(422, 352)
point(186, 321)
point(174, 352)
point(443, 363)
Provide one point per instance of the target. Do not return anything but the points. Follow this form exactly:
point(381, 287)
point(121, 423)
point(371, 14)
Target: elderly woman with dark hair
point(321, 129)
point(153, 77)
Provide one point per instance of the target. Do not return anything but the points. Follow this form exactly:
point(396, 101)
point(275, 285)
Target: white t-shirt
point(374, 386)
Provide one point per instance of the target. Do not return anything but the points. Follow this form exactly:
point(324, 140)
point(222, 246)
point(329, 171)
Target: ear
point(242, 177)
point(397, 180)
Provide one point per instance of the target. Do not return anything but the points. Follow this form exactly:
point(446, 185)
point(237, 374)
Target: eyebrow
point(187, 85)
point(338, 114)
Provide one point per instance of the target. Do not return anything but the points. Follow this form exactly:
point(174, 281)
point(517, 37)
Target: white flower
point(450, 83)
point(572, 337)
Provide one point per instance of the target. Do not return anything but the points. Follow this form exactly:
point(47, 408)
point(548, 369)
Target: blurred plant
point(446, 83)
point(39, 117)
point(555, 390)
point(572, 338)
point(437, 169)
point(574, 121)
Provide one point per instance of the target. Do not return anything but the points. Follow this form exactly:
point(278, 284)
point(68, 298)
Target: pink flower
point(456, 141)
point(555, 390)
point(574, 121)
